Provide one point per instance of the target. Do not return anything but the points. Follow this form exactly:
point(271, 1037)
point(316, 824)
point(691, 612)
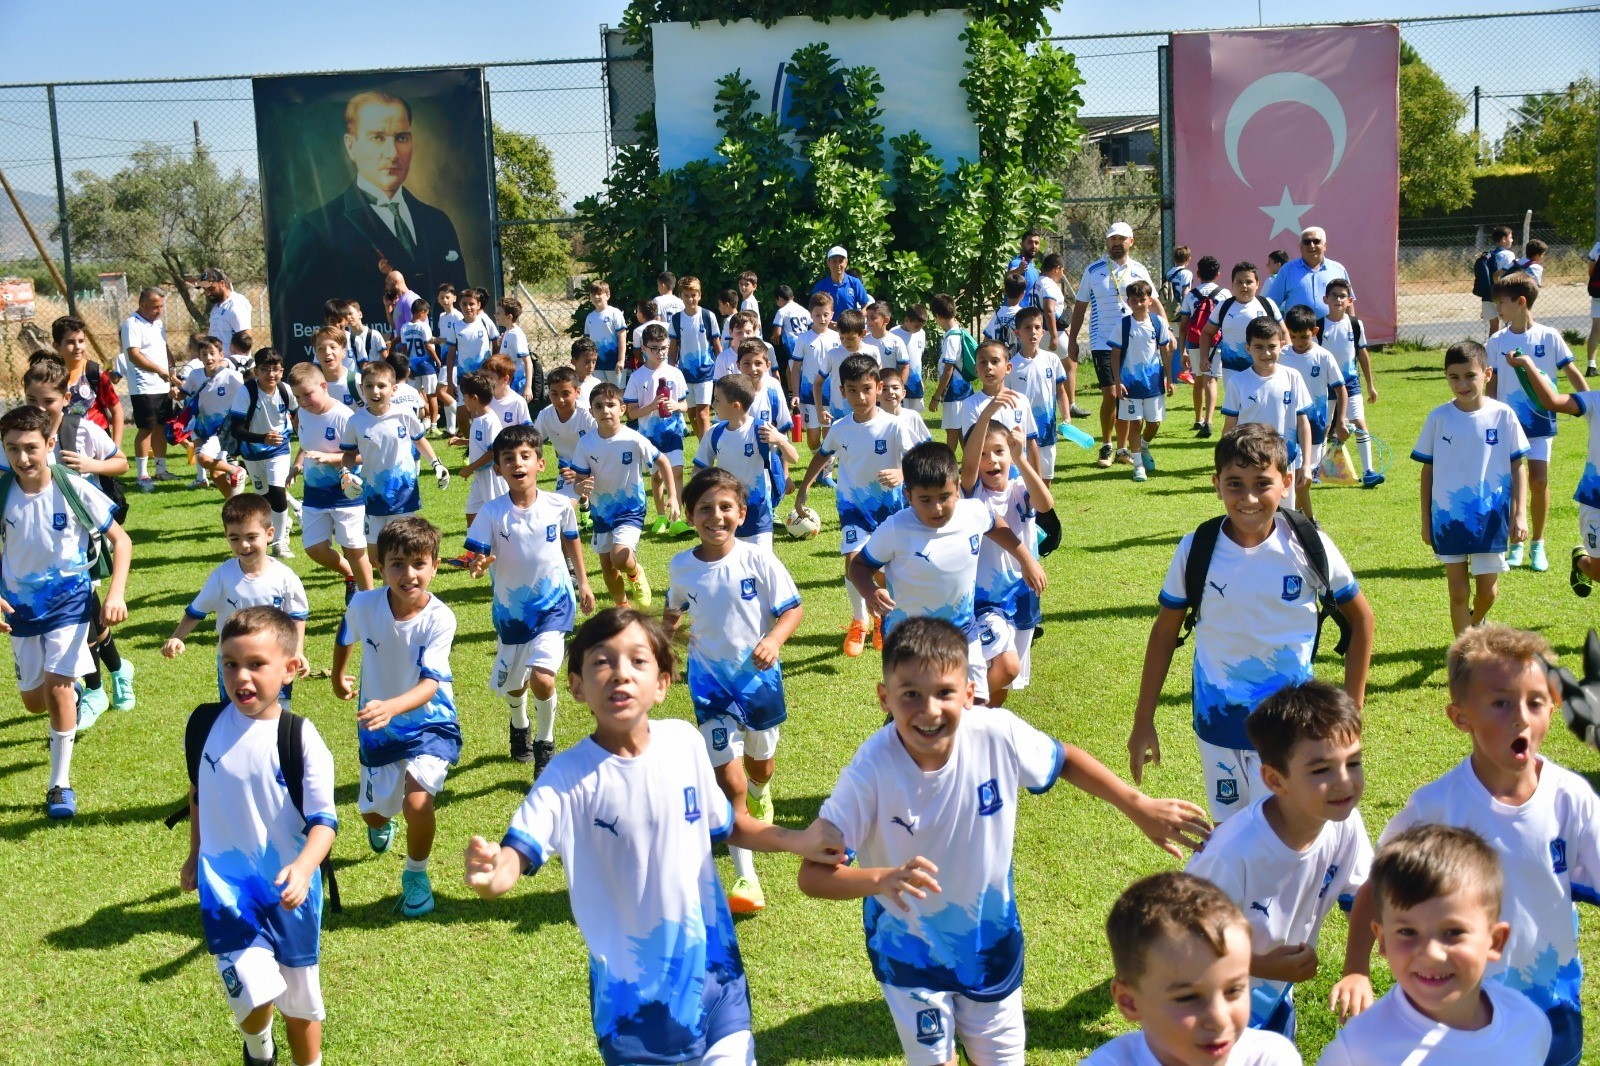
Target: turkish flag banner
point(1277, 130)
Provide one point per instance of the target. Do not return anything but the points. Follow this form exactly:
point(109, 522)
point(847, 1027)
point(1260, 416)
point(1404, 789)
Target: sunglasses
point(1309, 240)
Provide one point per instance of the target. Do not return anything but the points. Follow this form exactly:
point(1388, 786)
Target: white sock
point(743, 862)
point(280, 527)
point(1138, 460)
point(315, 1062)
point(1364, 446)
point(61, 757)
point(259, 1044)
point(416, 866)
point(519, 710)
point(858, 602)
point(144, 466)
point(757, 789)
point(544, 715)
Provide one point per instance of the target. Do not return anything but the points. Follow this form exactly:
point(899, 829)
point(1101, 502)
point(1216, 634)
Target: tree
point(1563, 153)
point(1436, 158)
point(175, 212)
point(526, 189)
point(1518, 143)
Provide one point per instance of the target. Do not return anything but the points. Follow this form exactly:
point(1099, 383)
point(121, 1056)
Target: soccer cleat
point(1104, 459)
point(1139, 474)
point(658, 524)
point(147, 484)
point(679, 528)
point(745, 896)
point(1124, 457)
point(255, 1060)
point(1581, 585)
point(827, 482)
point(1591, 371)
point(1186, 377)
point(760, 808)
point(122, 698)
point(460, 562)
point(165, 475)
point(877, 633)
point(416, 894)
point(855, 638)
point(1538, 562)
point(585, 520)
point(1205, 430)
point(378, 839)
point(1372, 479)
point(638, 587)
point(350, 590)
point(522, 743)
point(1197, 425)
point(1149, 461)
point(92, 703)
point(200, 481)
point(1078, 412)
point(60, 803)
point(1514, 556)
point(281, 551)
point(543, 752)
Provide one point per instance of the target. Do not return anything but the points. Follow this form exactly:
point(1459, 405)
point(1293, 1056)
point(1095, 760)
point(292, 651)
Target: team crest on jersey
point(329, 434)
point(1558, 855)
point(989, 799)
point(1491, 436)
point(400, 431)
point(222, 390)
point(277, 601)
point(930, 1026)
point(1327, 880)
point(230, 981)
point(973, 542)
point(550, 534)
point(627, 458)
point(1227, 790)
point(1538, 351)
point(691, 805)
point(508, 418)
point(719, 738)
point(58, 520)
point(1316, 371)
point(749, 450)
point(1288, 397)
point(747, 588)
point(1293, 585)
point(849, 536)
point(881, 447)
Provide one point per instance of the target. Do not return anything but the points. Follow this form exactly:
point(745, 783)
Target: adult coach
point(1031, 240)
point(144, 343)
point(1105, 282)
point(230, 312)
point(352, 242)
point(1303, 282)
point(848, 293)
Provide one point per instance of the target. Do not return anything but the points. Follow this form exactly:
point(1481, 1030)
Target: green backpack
point(969, 354)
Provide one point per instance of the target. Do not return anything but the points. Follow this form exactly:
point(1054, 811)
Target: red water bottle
point(795, 426)
point(663, 394)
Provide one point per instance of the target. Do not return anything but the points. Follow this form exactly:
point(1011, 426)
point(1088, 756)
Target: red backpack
point(1203, 304)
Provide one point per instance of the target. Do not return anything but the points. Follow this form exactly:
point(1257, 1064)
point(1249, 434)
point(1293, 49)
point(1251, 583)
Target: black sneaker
point(1197, 425)
point(1038, 634)
point(543, 752)
point(1581, 585)
point(1205, 429)
point(522, 743)
point(1104, 459)
point(251, 1060)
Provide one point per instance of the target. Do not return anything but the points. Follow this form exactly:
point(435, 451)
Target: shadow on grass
point(1076, 1024)
point(530, 910)
point(861, 1030)
point(1425, 662)
point(1403, 573)
point(120, 923)
point(88, 816)
point(1132, 542)
point(517, 785)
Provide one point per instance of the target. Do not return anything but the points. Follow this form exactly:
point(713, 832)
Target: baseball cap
point(1120, 229)
point(213, 274)
point(838, 250)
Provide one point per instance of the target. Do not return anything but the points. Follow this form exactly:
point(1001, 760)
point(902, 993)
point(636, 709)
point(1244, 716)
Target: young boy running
point(1038, 374)
point(1269, 393)
point(954, 387)
point(745, 448)
point(1140, 348)
point(344, 381)
point(385, 443)
point(1011, 409)
point(415, 344)
point(696, 340)
point(1193, 314)
point(328, 516)
point(656, 397)
point(262, 423)
point(1341, 333)
point(1223, 344)
point(805, 367)
point(406, 724)
point(563, 424)
point(639, 879)
point(742, 606)
point(527, 541)
point(210, 389)
point(608, 329)
point(486, 484)
point(912, 332)
point(1324, 382)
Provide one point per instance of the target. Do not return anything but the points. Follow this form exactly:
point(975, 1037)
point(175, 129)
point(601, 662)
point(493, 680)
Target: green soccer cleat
point(745, 896)
point(92, 703)
point(760, 809)
point(122, 688)
point(378, 839)
point(416, 894)
point(1538, 561)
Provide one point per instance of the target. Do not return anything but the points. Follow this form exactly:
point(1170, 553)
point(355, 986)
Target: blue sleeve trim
point(299, 616)
point(1055, 771)
point(1346, 594)
point(719, 835)
point(1563, 362)
point(1347, 901)
point(785, 607)
point(532, 854)
point(323, 819)
point(1582, 399)
point(822, 449)
point(1227, 413)
point(867, 558)
point(571, 536)
point(477, 547)
point(198, 616)
point(349, 447)
point(433, 675)
point(1421, 457)
point(580, 469)
point(1171, 602)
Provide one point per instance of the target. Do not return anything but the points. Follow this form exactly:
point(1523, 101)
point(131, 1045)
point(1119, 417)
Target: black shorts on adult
point(1102, 368)
point(151, 411)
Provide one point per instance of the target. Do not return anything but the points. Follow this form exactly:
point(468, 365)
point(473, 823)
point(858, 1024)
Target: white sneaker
point(281, 551)
point(147, 484)
point(1139, 474)
point(294, 505)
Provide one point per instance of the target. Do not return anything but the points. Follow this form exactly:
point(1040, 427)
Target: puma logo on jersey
point(1444, 438)
point(232, 602)
point(610, 827)
point(910, 827)
point(924, 556)
point(1262, 907)
point(1222, 590)
point(210, 761)
point(373, 643)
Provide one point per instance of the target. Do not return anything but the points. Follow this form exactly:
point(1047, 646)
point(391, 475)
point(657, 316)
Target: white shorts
point(621, 537)
point(699, 393)
point(484, 490)
point(63, 652)
point(1316, 454)
point(977, 671)
point(996, 635)
point(254, 976)
point(852, 539)
point(1212, 367)
point(810, 415)
point(1490, 311)
point(760, 540)
point(950, 415)
point(1024, 643)
point(1539, 449)
point(270, 472)
point(1149, 409)
point(1589, 529)
point(1062, 347)
point(1355, 405)
point(1233, 779)
point(346, 525)
point(512, 662)
point(383, 788)
point(735, 1049)
point(727, 739)
point(1479, 563)
point(212, 450)
point(376, 522)
point(913, 403)
point(613, 377)
point(674, 460)
point(1047, 461)
point(427, 384)
point(929, 1024)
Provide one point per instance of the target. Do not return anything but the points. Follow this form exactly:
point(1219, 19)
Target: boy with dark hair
point(953, 388)
point(912, 332)
point(563, 424)
point(1342, 334)
point(384, 443)
point(1002, 325)
point(696, 340)
point(1193, 314)
point(1499, 261)
point(744, 447)
point(747, 283)
point(329, 516)
point(415, 343)
point(805, 364)
point(789, 321)
point(262, 423)
point(666, 301)
point(852, 327)
point(477, 393)
point(1272, 394)
point(1323, 378)
point(1532, 261)
point(1037, 373)
point(1139, 352)
point(656, 398)
point(584, 357)
point(1223, 345)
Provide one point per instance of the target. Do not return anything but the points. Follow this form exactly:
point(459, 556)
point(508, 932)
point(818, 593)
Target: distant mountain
point(14, 241)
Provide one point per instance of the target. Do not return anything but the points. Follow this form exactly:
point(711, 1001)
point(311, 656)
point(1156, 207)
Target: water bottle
point(796, 425)
point(663, 394)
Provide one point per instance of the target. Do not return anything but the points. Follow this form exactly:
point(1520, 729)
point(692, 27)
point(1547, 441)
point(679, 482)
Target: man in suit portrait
point(348, 246)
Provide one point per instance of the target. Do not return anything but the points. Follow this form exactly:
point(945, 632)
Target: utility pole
point(196, 136)
point(1477, 115)
point(61, 206)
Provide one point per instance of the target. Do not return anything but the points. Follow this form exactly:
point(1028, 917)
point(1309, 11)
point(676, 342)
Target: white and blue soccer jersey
point(249, 831)
point(863, 449)
point(1254, 1047)
point(1588, 492)
point(791, 320)
point(514, 346)
point(1039, 378)
point(1013, 418)
point(416, 344)
point(362, 348)
point(634, 837)
point(959, 388)
point(387, 444)
point(1319, 371)
point(1549, 352)
point(510, 409)
point(563, 438)
point(474, 342)
point(828, 365)
point(915, 344)
point(1143, 368)
point(1000, 586)
point(602, 327)
point(396, 656)
point(621, 467)
point(1344, 339)
point(967, 937)
point(915, 424)
point(647, 385)
point(532, 589)
point(323, 433)
point(1182, 279)
point(346, 390)
point(931, 573)
point(274, 413)
point(747, 457)
point(1393, 1030)
point(809, 348)
point(1258, 621)
point(1549, 850)
point(892, 353)
point(1102, 287)
point(1002, 326)
point(693, 334)
point(486, 480)
point(211, 399)
point(450, 323)
point(1284, 894)
point(732, 603)
point(1232, 317)
point(406, 398)
point(1471, 453)
point(229, 590)
point(1276, 401)
point(44, 556)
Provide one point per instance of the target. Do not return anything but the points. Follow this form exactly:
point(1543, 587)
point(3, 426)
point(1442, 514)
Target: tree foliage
point(173, 211)
point(1436, 158)
point(526, 189)
point(1558, 138)
point(774, 199)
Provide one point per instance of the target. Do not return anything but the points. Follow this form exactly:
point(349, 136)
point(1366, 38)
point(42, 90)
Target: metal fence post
point(1169, 214)
point(61, 206)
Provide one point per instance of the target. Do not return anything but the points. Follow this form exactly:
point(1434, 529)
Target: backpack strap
point(99, 552)
point(1272, 309)
point(6, 478)
point(292, 761)
point(1358, 334)
point(1127, 330)
point(1322, 324)
point(195, 733)
point(1222, 313)
point(1201, 547)
point(67, 432)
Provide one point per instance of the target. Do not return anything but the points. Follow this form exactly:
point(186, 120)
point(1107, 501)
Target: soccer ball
point(803, 524)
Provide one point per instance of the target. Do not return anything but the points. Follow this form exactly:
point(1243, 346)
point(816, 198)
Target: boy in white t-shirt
point(748, 449)
point(1038, 374)
point(328, 516)
point(261, 421)
point(608, 329)
point(527, 541)
point(655, 398)
point(953, 387)
point(563, 424)
point(1193, 315)
point(209, 389)
point(415, 344)
point(384, 443)
point(479, 472)
point(1290, 856)
point(584, 358)
point(1343, 335)
point(639, 880)
point(892, 351)
point(852, 329)
point(514, 346)
point(928, 804)
point(892, 401)
point(473, 338)
point(913, 334)
point(805, 367)
point(1438, 893)
point(742, 326)
point(1140, 348)
point(1324, 381)
point(1002, 324)
point(1006, 406)
point(254, 857)
point(747, 297)
point(344, 381)
point(364, 343)
point(666, 301)
point(1223, 344)
point(507, 404)
point(789, 321)
point(1270, 393)
point(1181, 952)
point(742, 606)
point(450, 322)
point(696, 341)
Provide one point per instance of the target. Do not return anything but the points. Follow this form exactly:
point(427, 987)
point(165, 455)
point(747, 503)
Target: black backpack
point(1483, 274)
point(1305, 532)
point(248, 448)
point(111, 486)
point(1594, 279)
point(537, 387)
point(291, 760)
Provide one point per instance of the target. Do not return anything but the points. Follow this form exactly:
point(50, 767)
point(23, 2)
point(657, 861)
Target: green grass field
point(102, 955)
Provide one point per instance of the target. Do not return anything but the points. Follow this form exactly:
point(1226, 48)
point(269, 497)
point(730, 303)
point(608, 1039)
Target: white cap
point(1120, 229)
point(838, 251)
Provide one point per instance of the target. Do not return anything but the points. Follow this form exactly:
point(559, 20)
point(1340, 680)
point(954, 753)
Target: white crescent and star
point(1279, 88)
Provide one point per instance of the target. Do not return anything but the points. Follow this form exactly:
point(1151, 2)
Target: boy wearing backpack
point(1193, 314)
point(57, 531)
point(1002, 324)
point(1489, 268)
point(255, 845)
point(1254, 587)
point(262, 418)
point(958, 367)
